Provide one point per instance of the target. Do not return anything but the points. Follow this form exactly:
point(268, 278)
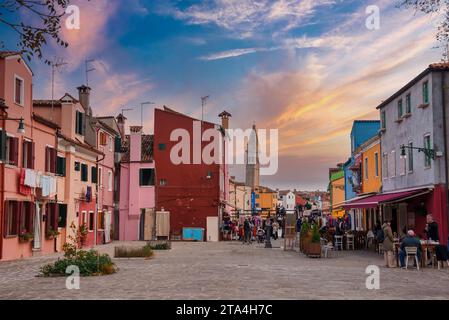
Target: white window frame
point(366, 171)
point(110, 181)
point(393, 156)
point(88, 225)
point(22, 91)
point(385, 165)
point(410, 154)
point(376, 164)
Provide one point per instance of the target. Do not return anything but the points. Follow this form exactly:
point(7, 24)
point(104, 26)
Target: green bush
point(305, 228)
point(90, 263)
point(134, 252)
point(316, 238)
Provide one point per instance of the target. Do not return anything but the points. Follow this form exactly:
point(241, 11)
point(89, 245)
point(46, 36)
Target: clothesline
point(31, 180)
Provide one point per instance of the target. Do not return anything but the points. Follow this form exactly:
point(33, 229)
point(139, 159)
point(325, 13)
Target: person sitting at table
point(410, 240)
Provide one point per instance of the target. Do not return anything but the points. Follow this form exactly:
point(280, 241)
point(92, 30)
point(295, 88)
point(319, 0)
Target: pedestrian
point(247, 231)
point(432, 229)
point(275, 230)
point(388, 245)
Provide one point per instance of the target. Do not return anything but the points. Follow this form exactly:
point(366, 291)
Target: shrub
point(305, 228)
point(160, 246)
point(134, 252)
point(315, 234)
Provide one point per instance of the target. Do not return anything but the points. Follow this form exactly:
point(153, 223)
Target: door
point(212, 229)
point(163, 225)
point(149, 224)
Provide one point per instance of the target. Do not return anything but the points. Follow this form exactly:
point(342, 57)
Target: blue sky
point(306, 67)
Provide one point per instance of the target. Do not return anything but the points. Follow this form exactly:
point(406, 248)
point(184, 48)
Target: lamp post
point(427, 151)
point(21, 128)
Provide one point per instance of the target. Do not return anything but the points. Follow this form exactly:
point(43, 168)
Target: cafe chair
point(441, 256)
point(350, 242)
point(326, 247)
point(411, 252)
point(339, 243)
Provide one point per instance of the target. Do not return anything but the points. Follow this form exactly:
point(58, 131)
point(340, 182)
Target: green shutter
point(2, 144)
point(94, 175)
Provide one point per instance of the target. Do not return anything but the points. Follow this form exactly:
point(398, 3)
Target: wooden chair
point(339, 243)
point(350, 242)
point(411, 252)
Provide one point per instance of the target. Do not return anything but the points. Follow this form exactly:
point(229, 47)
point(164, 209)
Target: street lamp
point(21, 128)
point(430, 153)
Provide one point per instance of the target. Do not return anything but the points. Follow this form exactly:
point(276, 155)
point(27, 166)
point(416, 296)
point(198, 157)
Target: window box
point(26, 237)
point(424, 106)
point(407, 115)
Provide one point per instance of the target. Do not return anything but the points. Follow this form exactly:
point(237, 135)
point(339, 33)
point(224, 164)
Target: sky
point(308, 68)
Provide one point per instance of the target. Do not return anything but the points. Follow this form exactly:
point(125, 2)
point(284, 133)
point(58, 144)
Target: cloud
point(245, 17)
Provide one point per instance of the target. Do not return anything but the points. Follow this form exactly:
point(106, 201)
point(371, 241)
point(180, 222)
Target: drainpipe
point(97, 191)
point(446, 157)
point(2, 198)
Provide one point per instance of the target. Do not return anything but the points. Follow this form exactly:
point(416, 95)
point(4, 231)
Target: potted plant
point(51, 234)
point(314, 248)
point(83, 231)
point(26, 237)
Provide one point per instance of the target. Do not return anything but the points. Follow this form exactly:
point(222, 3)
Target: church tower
point(252, 160)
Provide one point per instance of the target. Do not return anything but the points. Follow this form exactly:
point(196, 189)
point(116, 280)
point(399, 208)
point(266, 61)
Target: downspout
point(96, 188)
point(446, 157)
point(2, 199)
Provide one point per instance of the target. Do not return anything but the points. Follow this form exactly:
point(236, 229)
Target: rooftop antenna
point(126, 109)
point(55, 65)
point(88, 70)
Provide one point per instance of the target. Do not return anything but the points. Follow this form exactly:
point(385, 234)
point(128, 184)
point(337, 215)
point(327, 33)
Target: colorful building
point(195, 193)
point(137, 188)
point(266, 202)
point(29, 200)
point(337, 192)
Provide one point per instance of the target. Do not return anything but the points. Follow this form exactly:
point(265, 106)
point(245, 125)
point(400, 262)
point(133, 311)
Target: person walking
point(388, 245)
point(247, 231)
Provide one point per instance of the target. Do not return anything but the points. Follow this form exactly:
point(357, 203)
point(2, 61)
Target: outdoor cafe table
point(426, 247)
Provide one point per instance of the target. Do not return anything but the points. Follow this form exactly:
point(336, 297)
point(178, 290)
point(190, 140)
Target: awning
point(374, 201)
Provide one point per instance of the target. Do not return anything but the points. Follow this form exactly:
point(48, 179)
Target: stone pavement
point(228, 270)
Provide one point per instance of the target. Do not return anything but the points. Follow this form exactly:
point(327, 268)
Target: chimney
point(121, 120)
point(225, 119)
point(135, 144)
point(84, 98)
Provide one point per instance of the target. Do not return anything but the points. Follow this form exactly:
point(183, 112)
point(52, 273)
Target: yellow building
point(371, 176)
point(266, 201)
point(337, 192)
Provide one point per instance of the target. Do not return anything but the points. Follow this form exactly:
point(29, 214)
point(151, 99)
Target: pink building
point(29, 202)
point(137, 190)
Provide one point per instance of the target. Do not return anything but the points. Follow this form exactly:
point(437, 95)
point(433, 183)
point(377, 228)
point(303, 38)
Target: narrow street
point(228, 271)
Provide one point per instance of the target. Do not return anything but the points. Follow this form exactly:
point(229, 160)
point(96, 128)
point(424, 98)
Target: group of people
point(385, 236)
point(251, 230)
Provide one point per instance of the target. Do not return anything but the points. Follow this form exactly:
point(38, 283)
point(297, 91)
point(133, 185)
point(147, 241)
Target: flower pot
point(314, 249)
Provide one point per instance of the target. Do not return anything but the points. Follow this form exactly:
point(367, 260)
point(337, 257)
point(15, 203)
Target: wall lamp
point(21, 128)
point(430, 153)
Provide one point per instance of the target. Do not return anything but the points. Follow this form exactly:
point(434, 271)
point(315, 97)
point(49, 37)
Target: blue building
point(362, 131)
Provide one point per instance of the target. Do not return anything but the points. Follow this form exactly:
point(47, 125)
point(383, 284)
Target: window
point(408, 104)
point(383, 116)
point(385, 165)
point(62, 221)
point(84, 173)
point(18, 91)
point(163, 182)
point(84, 218)
point(400, 109)
point(425, 92)
point(50, 159)
point(60, 166)
point(376, 164)
point(146, 177)
point(77, 166)
point(102, 138)
point(427, 145)
point(52, 217)
point(12, 218)
point(111, 144)
point(94, 175)
point(366, 169)
point(26, 217)
point(100, 222)
point(28, 155)
point(110, 181)
point(410, 157)
point(80, 123)
point(11, 150)
point(91, 221)
point(393, 164)
point(402, 165)
point(162, 146)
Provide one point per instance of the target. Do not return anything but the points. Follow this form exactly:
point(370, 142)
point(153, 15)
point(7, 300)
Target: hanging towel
point(23, 189)
point(38, 180)
point(45, 180)
point(30, 178)
point(53, 186)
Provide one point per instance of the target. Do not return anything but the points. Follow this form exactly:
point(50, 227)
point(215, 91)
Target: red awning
point(374, 201)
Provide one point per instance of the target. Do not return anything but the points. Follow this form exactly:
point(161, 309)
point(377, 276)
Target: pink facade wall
point(133, 198)
point(40, 134)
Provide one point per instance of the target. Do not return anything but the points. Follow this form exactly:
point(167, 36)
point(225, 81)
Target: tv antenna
point(88, 61)
point(55, 65)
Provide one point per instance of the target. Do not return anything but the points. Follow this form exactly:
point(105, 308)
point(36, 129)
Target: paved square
point(229, 271)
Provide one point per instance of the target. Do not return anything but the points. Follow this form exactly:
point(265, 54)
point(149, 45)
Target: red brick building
point(195, 194)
